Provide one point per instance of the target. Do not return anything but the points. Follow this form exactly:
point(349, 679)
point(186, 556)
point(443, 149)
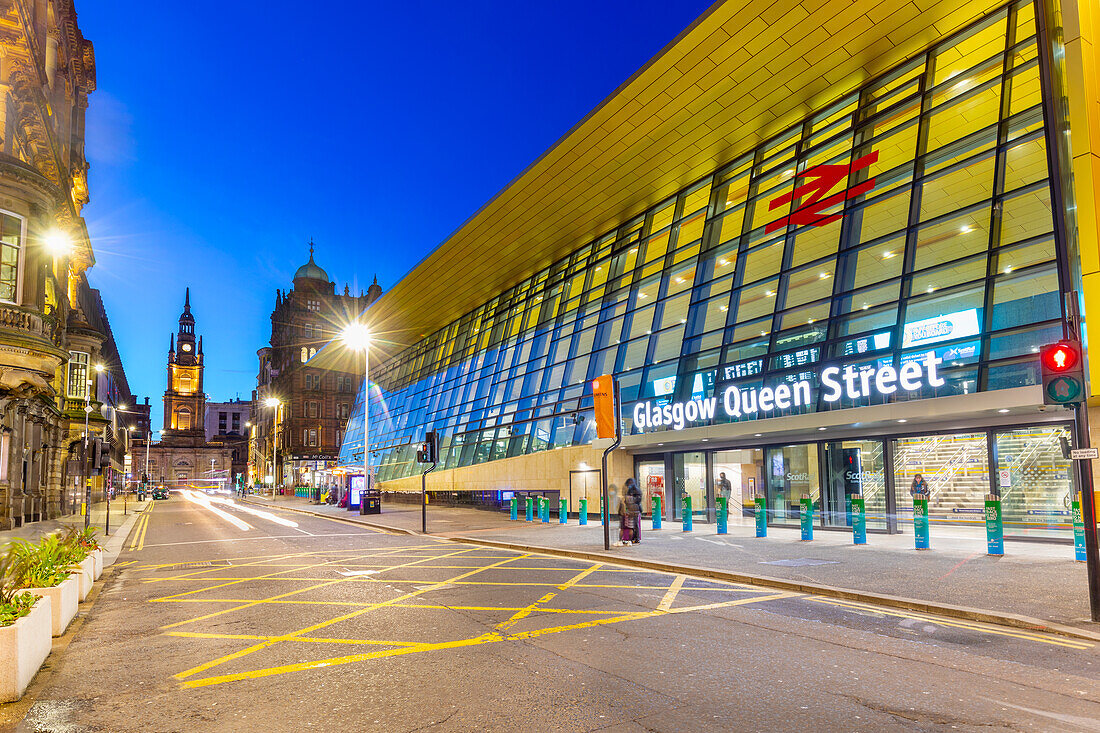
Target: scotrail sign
point(835, 381)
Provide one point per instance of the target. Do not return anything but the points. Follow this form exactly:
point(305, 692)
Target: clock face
point(187, 347)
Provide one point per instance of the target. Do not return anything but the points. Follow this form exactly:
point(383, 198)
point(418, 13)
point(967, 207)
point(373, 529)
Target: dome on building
point(310, 270)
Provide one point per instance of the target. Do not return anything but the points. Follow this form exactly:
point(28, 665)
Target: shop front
point(1031, 475)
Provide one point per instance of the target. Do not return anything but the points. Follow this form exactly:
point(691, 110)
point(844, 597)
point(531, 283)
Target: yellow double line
point(138, 534)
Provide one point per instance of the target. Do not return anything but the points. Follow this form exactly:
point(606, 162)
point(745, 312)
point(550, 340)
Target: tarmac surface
point(216, 618)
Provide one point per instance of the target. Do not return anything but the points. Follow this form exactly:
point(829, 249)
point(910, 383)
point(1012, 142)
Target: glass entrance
point(854, 467)
point(651, 480)
point(744, 472)
point(792, 473)
point(955, 470)
point(690, 473)
point(1035, 481)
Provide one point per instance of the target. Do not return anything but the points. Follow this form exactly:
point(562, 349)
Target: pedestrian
point(624, 517)
point(724, 488)
point(635, 494)
point(918, 489)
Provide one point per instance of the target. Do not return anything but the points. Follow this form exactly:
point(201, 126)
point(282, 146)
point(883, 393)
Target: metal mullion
point(996, 208)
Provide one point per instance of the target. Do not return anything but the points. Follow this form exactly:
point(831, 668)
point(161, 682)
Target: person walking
point(724, 487)
point(635, 505)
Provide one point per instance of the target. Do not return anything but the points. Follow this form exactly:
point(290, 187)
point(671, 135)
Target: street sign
point(1084, 454)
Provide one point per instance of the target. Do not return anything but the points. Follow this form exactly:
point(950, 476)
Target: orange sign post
point(605, 403)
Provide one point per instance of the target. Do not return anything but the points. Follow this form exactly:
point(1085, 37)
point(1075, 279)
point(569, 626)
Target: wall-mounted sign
point(941, 328)
point(812, 198)
point(836, 382)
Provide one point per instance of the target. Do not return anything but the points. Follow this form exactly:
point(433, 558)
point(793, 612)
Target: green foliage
point(45, 564)
point(19, 605)
point(85, 539)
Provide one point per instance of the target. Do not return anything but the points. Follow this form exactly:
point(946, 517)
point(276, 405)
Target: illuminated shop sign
point(941, 328)
point(812, 198)
point(836, 382)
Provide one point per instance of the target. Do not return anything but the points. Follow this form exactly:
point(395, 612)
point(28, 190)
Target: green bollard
point(859, 519)
point(530, 513)
point(761, 516)
point(722, 510)
point(582, 514)
point(563, 513)
point(994, 526)
point(514, 505)
point(807, 518)
point(687, 512)
point(656, 518)
point(545, 510)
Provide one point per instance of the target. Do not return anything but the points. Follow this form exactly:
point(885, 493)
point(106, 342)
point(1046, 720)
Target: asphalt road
point(215, 618)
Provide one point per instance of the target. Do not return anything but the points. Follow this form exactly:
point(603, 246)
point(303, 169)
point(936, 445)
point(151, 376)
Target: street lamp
point(356, 336)
point(58, 242)
point(275, 479)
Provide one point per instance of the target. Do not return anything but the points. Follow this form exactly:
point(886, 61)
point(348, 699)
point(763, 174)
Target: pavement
point(1034, 585)
point(114, 523)
point(231, 617)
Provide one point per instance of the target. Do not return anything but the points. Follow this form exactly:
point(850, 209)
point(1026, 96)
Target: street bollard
point(582, 514)
point(807, 518)
point(563, 512)
point(1078, 530)
point(920, 524)
point(512, 514)
point(859, 519)
point(687, 512)
point(545, 510)
point(761, 516)
point(656, 518)
point(994, 526)
point(601, 510)
point(722, 510)
point(529, 512)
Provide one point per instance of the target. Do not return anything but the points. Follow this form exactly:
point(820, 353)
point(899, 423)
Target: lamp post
point(357, 336)
point(275, 477)
point(130, 450)
point(87, 478)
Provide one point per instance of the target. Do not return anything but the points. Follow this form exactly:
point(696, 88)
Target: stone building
point(316, 393)
point(183, 458)
point(50, 333)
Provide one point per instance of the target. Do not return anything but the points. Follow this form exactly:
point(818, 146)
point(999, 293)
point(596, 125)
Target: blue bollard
point(807, 519)
point(563, 513)
point(722, 512)
point(656, 511)
point(582, 514)
point(687, 512)
point(530, 514)
point(761, 516)
point(994, 526)
point(545, 510)
point(513, 511)
point(859, 519)
point(920, 524)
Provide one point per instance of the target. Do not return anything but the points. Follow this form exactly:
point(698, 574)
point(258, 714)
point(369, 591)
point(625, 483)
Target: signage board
point(1004, 478)
point(1084, 454)
point(836, 382)
point(941, 328)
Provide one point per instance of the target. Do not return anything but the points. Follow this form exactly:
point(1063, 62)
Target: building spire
point(187, 299)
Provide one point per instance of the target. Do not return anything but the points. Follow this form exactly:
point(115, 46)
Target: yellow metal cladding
point(741, 73)
point(1079, 21)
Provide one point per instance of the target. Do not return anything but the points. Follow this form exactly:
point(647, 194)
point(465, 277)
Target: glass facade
point(906, 221)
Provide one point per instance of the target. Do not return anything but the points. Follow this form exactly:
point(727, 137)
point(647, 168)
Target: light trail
point(256, 512)
point(204, 501)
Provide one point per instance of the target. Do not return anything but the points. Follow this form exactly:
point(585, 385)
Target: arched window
point(305, 354)
point(183, 419)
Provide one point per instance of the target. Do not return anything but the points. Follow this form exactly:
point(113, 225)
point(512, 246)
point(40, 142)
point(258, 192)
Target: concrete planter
point(83, 581)
point(24, 646)
point(97, 558)
point(88, 566)
point(64, 599)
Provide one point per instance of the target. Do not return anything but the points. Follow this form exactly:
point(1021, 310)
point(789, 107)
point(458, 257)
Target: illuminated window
point(183, 419)
point(78, 375)
point(11, 251)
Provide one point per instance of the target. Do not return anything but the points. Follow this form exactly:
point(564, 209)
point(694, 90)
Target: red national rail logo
point(822, 179)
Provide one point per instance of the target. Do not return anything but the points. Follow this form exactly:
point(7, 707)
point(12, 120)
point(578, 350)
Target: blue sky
point(223, 136)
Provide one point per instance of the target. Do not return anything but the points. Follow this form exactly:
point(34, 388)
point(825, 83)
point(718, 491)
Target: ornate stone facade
point(316, 391)
point(47, 71)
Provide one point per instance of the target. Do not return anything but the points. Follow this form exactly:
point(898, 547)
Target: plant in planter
point(25, 624)
point(86, 540)
point(47, 570)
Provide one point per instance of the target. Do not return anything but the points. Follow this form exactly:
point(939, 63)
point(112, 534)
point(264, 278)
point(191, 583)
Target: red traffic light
point(1061, 357)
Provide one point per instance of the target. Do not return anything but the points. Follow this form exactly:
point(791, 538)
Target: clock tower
point(185, 400)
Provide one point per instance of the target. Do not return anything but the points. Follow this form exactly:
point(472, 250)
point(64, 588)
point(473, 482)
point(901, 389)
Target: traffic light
point(1063, 373)
point(429, 449)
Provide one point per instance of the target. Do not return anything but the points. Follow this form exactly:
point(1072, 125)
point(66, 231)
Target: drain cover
point(799, 562)
point(197, 565)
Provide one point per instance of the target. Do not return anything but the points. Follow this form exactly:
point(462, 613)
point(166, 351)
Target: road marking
point(308, 629)
point(138, 541)
point(1025, 635)
point(670, 594)
point(524, 613)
